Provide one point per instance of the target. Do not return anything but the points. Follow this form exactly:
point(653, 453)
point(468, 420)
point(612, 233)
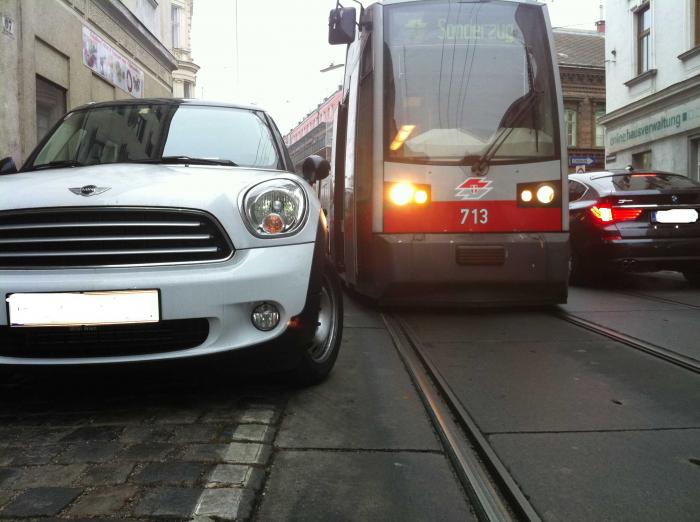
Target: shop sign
point(681, 118)
point(99, 56)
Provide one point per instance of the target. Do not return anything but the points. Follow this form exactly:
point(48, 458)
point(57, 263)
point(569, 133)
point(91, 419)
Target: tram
point(449, 171)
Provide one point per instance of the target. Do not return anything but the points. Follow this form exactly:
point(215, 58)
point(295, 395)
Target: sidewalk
point(360, 446)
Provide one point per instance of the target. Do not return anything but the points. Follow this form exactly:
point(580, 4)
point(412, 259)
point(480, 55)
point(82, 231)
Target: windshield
point(154, 133)
point(459, 74)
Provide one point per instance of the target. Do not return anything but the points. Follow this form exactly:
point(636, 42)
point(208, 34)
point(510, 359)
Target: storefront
point(58, 54)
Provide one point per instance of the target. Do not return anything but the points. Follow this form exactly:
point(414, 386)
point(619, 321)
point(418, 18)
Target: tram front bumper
point(488, 269)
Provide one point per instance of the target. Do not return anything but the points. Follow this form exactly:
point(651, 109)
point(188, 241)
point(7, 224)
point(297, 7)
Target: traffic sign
point(581, 160)
point(580, 169)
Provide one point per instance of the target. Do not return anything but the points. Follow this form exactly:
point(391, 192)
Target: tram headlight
point(545, 194)
point(526, 195)
point(404, 192)
point(401, 193)
point(274, 208)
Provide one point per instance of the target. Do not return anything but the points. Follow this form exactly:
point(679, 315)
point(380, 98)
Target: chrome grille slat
point(96, 225)
point(154, 251)
point(109, 237)
point(192, 237)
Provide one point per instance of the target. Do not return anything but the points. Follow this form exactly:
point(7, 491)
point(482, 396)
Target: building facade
point(652, 55)
point(581, 57)
point(185, 76)
point(314, 133)
point(58, 54)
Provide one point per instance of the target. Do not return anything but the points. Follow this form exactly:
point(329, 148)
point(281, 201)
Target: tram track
point(493, 491)
point(653, 349)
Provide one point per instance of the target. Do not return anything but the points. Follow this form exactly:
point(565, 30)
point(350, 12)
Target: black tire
point(692, 277)
point(579, 272)
point(319, 356)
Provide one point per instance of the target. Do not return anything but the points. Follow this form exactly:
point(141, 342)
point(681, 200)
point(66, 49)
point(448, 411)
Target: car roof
point(169, 101)
point(591, 176)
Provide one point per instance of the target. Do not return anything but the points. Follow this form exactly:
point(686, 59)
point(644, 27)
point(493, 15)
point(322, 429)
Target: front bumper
point(222, 293)
point(461, 269)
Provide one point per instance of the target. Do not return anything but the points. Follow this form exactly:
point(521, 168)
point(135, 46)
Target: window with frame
point(175, 21)
point(570, 121)
point(599, 127)
point(642, 160)
point(696, 41)
point(643, 22)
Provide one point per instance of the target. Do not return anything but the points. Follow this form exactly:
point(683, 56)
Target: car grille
point(109, 236)
point(103, 341)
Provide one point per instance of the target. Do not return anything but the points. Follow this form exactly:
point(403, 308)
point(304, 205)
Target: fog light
point(526, 196)
point(265, 317)
point(545, 194)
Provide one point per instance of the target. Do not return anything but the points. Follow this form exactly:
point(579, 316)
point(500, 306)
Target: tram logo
point(473, 188)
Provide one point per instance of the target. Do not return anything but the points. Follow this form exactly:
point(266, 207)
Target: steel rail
point(658, 351)
point(489, 485)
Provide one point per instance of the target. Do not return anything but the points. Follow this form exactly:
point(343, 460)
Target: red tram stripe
point(481, 216)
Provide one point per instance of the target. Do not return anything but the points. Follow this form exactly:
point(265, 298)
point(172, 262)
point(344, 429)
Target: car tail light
point(606, 214)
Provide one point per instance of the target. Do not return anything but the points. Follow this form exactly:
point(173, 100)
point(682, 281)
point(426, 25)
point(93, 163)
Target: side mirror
point(341, 26)
point(7, 166)
point(315, 168)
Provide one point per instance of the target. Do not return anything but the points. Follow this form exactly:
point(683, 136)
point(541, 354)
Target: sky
point(275, 59)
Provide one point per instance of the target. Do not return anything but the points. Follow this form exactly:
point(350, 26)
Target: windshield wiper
point(197, 161)
point(518, 109)
point(57, 164)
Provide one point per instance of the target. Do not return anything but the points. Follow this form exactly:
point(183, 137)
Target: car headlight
point(275, 208)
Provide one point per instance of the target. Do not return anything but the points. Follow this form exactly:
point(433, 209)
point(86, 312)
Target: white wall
point(672, 34)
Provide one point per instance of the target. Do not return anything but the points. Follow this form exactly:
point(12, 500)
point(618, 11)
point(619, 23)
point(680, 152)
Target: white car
point(147, 230)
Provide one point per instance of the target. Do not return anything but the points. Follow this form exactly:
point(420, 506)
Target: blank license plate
point(677, 215)
point(84, 308)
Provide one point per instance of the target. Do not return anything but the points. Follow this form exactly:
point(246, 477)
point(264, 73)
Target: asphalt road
point(590, 429)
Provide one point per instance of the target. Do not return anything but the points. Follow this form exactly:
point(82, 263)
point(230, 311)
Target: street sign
point(580, 169)
point(587, 161)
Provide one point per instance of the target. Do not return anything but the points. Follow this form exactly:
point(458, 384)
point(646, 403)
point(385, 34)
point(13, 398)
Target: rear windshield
point(649, 181)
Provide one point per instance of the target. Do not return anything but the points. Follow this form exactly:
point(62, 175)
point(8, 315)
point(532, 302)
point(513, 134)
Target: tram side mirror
point(341, 25)
point(7, 166)
point(315, 168)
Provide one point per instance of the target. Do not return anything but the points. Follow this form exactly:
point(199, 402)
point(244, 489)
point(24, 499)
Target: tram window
point(576, 190)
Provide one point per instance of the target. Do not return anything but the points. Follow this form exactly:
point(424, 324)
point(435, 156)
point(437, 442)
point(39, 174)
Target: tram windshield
point(465, 80)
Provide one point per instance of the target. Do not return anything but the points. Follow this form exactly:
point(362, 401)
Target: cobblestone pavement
point(174, 443)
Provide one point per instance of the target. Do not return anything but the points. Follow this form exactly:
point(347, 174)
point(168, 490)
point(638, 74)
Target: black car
point(634, 220)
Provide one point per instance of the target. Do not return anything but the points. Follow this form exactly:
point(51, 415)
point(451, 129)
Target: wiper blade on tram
point(197, 161)
point(518, 109)
point(57, 165)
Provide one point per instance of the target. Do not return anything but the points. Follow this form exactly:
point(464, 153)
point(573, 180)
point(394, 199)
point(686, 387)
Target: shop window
point(570, 121)
point(643, 22)
point(642, 160)
point(599, 128)
point(50, 106)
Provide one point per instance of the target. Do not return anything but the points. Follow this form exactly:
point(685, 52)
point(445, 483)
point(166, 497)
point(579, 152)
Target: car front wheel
point(319, 355)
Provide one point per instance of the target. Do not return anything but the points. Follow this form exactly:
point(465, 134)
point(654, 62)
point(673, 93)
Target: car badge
point(674, 198)
point(89, 190)
point(623, 201)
